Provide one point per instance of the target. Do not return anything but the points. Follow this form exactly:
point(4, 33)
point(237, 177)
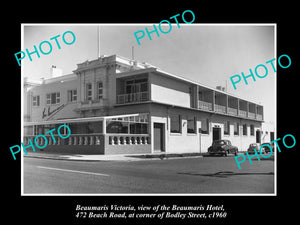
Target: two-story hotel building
point(115, 105)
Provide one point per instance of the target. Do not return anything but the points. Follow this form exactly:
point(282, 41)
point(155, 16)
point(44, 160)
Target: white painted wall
point(169, 91)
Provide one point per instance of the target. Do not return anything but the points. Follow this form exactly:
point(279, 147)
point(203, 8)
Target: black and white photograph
point(162, 116)
point(133, 115)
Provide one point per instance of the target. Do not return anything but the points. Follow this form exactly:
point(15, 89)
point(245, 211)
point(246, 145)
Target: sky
point(206, 53)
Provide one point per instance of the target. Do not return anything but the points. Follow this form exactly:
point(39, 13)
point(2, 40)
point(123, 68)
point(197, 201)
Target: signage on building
point(48, 112)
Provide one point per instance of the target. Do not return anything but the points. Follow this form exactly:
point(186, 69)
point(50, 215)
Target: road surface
point(207, 175)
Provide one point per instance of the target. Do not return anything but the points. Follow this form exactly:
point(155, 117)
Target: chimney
point(55, 72)
point(220, 88)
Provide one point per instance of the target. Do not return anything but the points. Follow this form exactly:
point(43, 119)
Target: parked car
point(255, 146)
point(222, 147)
point(266, 148)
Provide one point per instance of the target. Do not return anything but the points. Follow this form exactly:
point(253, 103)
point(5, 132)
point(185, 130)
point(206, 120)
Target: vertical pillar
point(213, 101)
point(238, 107)
point(197, 97)
point(104, 126)
point(226, 108)
point(247, 113)
point(255, 111)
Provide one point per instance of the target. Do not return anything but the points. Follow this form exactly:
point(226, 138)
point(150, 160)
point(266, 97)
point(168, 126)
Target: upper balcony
point(222, 103)
point(133, 89)
point(143, 87)
point(133, 97)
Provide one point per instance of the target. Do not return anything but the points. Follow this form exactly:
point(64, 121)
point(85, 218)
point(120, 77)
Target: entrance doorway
point(158, 137)
point(258, 138)
point(216, 133)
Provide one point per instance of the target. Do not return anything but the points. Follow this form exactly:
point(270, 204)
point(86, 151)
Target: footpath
point(131, 157)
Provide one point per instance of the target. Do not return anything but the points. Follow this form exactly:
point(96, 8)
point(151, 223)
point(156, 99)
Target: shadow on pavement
point(224, 174)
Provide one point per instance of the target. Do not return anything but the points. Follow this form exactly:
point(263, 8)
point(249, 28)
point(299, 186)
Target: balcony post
point(213, 101)
point(247, 113)
point(255, 111)
point(104, 126)
point(197, 97)
point(226, 109)
point(238, 107)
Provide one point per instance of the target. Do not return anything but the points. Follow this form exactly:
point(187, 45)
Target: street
point(215, 175)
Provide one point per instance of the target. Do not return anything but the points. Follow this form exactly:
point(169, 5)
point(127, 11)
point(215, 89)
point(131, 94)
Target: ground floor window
point(236, 129)
point(205, 126)
point(175, 123)
point(245, 129)
point(117, 127)
point(86, 127)
point(127, 125)
point(252, 130)
point(227, 127)
point(191, 125)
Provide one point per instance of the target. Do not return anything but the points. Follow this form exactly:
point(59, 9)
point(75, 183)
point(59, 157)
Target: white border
point(148, 194)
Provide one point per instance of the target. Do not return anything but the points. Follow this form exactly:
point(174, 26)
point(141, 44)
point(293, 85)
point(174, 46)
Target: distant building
point(115, 105)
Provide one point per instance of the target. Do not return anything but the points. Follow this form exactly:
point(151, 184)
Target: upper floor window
point(100, 90)
point(72, 95)
point(53, 98)
point(36, 100)
point(89, 92)
point(136, 86)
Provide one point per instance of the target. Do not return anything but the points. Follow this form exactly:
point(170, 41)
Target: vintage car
point(222, 147)
point(266, 148)
point(255, 146)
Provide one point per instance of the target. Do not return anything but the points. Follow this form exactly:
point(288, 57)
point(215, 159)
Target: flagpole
point(98, 40)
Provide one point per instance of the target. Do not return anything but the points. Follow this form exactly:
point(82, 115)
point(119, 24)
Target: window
point(36, 100)
point(236, 129)
point(227, 128)
point(86, 127)
point(116, 127)
point(138, 128)
point(53, 98)
point(99, 90)
point(204, 126)
point(175, 124)
point(245, 129)
point(191, 125)
point(136, 86)
point(89, 92)
point(72, 95)
point(252, 130)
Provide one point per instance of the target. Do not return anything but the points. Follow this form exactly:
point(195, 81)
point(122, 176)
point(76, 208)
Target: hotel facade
point(115, 105)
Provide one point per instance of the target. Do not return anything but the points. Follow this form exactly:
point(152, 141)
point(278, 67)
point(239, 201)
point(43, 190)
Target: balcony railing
point(220, 108)
point(259, 117)
point(242, 113)
point(204, 105)
point(132, 97)
point(74, 139)
point(232, 111)
point(90, 139)
point(129, 139)
point(251, 115)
